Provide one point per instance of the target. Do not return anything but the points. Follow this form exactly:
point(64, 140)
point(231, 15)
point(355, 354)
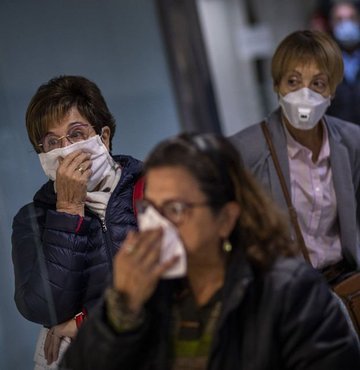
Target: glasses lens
point(142, 205)
point(74, 135)
point(78, 133)
point(50, 142)
point(174, 211)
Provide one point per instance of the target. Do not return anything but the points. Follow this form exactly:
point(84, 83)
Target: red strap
point(80, 317)
point(78, 226)
point(138, 192)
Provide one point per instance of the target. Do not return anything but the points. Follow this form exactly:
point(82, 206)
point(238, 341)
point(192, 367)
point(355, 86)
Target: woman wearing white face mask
point(63, 242)
point(318, 155)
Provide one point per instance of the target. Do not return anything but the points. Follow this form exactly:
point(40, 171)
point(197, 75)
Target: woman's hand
point(54, 338)
point(72, 177)
point(137, 269)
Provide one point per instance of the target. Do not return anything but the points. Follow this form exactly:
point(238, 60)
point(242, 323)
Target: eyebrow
point(294, 71)
point(71, 125)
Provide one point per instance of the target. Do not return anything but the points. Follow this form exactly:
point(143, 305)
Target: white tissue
point(171, 242)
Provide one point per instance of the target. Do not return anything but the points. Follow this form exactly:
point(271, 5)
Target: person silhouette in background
point(344, 25)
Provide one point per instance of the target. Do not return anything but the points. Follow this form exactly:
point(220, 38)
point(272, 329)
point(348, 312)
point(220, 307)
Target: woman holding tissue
point(239, 300)
point(64, 241)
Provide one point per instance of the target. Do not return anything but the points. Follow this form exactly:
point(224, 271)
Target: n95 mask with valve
point(171, 244)
point(102, 163)
point(304, 108)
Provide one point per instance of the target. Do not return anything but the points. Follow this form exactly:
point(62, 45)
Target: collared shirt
point(313, 196)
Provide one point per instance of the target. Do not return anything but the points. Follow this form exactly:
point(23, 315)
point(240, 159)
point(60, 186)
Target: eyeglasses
point(74, 135)
point(174, 210)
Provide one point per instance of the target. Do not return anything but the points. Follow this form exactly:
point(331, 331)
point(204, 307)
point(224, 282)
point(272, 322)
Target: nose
point(64, 141)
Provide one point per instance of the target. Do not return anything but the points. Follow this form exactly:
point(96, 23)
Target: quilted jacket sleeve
point(48, 252)
point(97, 346)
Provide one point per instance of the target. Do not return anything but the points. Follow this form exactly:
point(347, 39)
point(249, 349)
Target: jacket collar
point(238, 276)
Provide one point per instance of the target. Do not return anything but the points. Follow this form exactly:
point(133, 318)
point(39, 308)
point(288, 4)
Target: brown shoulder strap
point(292, 210)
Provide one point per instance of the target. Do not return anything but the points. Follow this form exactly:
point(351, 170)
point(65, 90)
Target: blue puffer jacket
point(62, 262)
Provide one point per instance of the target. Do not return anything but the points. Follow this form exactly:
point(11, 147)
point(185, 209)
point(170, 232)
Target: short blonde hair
point(303, 47)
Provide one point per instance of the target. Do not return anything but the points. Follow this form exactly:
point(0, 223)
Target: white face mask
point(304, 108)
point(171, 242)
point(102, 163)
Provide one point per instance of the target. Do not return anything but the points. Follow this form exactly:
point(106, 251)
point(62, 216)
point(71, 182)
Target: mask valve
point(304, 114)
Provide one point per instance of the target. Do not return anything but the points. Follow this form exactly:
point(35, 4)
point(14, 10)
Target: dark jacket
point(284, 319)
point(62, 261)
point(346, 103)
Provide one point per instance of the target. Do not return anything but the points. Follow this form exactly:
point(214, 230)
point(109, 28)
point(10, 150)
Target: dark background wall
point(117, 44)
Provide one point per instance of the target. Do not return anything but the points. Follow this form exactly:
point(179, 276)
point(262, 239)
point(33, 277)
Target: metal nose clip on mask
point(304, 108)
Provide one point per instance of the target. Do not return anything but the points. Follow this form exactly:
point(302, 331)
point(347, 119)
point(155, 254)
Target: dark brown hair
point(54, 99)
point(214, 162)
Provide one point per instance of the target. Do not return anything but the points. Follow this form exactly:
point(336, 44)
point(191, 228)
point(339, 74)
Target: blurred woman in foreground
point(243, 302)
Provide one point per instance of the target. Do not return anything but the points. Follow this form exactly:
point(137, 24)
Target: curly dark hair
point(262, 230)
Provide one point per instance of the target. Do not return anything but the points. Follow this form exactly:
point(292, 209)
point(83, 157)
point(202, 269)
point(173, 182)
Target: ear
point(276, 88)
point(105, 136)
point(228, 217)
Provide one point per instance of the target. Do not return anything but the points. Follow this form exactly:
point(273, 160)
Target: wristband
point(79, 318)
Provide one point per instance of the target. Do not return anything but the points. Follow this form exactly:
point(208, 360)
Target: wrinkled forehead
point(304, 63)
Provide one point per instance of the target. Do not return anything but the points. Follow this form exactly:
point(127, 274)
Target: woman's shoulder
point(129, 163)
point(340, 129)
point(287, 271)
point(250, 141)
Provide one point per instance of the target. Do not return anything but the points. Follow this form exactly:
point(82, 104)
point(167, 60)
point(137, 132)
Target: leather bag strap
point(291, 209)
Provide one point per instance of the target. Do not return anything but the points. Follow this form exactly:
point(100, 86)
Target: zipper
point(103, 226)
point(108, 243)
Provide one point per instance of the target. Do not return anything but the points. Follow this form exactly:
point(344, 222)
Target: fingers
point(47, 343)
point(143, 250)
point(162, 268)
point(137, 243)
point(52, 346)
point(137, 267)
point(148, 243)
point(54, 349)
point(77, 163)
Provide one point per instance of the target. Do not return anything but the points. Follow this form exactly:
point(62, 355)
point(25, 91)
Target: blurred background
point(163, 66)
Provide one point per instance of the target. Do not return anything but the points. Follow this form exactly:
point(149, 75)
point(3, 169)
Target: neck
point(311, 139)
point(205, 278)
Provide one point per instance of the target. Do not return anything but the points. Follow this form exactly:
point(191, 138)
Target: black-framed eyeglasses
point(174, 210)
point(75, 134)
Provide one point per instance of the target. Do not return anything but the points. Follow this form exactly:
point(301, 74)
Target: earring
point(227, 247)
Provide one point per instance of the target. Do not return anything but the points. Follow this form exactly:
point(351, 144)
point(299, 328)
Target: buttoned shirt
point(313, 197)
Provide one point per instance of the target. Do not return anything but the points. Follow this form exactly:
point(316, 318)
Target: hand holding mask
point(102, 163)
